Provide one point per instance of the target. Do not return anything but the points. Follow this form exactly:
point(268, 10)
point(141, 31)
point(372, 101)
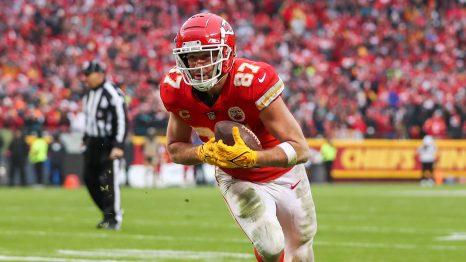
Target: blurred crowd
point(353, 68)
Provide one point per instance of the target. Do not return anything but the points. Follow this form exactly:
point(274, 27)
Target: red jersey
point(250, 87)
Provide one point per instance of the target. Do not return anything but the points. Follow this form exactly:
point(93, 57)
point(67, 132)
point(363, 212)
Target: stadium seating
point(355, 68)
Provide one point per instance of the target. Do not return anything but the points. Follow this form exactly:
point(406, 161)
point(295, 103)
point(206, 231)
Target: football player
point(267, 191)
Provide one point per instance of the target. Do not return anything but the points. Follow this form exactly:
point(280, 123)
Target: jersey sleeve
point(169, 87)
point(267, 86)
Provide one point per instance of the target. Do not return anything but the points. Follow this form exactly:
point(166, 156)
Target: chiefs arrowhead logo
point(226, 28)
point(236, 114)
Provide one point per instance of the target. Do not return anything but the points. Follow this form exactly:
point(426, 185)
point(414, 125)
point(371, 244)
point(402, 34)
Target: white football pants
point(277, 215)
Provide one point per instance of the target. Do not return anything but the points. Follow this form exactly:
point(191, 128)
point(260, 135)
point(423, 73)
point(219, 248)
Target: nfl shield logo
point(211, 115)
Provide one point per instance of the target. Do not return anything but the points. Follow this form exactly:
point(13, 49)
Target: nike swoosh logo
point(293, 186)
point(262, 79)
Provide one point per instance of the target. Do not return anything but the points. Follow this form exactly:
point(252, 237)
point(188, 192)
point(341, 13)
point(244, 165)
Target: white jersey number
point(245, 79)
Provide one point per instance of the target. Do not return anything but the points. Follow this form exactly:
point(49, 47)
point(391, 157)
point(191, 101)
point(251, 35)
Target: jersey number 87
point(245, 79)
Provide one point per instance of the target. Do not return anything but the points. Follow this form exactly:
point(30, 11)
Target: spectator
point(17, 153)
point(57, 152)
point(38, 156)
point(427, 154)
point(329, 153)
point(435, 126)
point(378, 57)
point(152, 154)
point(128, 156)
point(2, 143)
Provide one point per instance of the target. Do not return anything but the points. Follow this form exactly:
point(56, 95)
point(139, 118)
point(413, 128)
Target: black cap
point(91, 67)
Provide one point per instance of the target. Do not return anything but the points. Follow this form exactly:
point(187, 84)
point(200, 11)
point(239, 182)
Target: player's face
point(199, 59)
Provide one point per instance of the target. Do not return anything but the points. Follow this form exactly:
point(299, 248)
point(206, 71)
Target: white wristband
point(290, 153)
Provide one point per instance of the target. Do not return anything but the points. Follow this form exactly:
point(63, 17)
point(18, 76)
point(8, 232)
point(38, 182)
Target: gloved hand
point(237, 156)
point(205, 152)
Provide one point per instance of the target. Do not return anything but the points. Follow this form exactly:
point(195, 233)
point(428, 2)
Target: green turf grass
point(365, 222)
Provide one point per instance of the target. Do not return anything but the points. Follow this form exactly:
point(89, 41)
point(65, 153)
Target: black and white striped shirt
point(106, 114)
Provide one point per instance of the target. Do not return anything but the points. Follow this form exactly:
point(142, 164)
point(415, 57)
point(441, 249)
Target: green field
point(357, 222)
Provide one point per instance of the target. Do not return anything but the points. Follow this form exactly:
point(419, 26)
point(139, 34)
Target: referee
point(104, 136)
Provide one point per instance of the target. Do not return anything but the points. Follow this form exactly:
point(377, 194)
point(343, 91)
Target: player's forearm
point(276, 157)
point(183, 153)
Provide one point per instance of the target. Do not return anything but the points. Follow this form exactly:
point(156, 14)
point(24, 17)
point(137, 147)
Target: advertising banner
point(390, 159)
point(393, 159)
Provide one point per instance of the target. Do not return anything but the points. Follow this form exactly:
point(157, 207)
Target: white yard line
point(388, 245)
point(52, 259)
point(102, 255)
point(103, 234)
point(378, 229)
point(455, 236)
point(428, 193)
point(156, 254)
point(369, 229)
point(183, 223)
point(153, 255)
point(133, 221)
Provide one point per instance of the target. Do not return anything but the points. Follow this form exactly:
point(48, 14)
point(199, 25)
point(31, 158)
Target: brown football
point(223, 130)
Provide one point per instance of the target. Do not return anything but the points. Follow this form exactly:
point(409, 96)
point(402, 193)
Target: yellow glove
point(205, 152)
point(237, 156)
